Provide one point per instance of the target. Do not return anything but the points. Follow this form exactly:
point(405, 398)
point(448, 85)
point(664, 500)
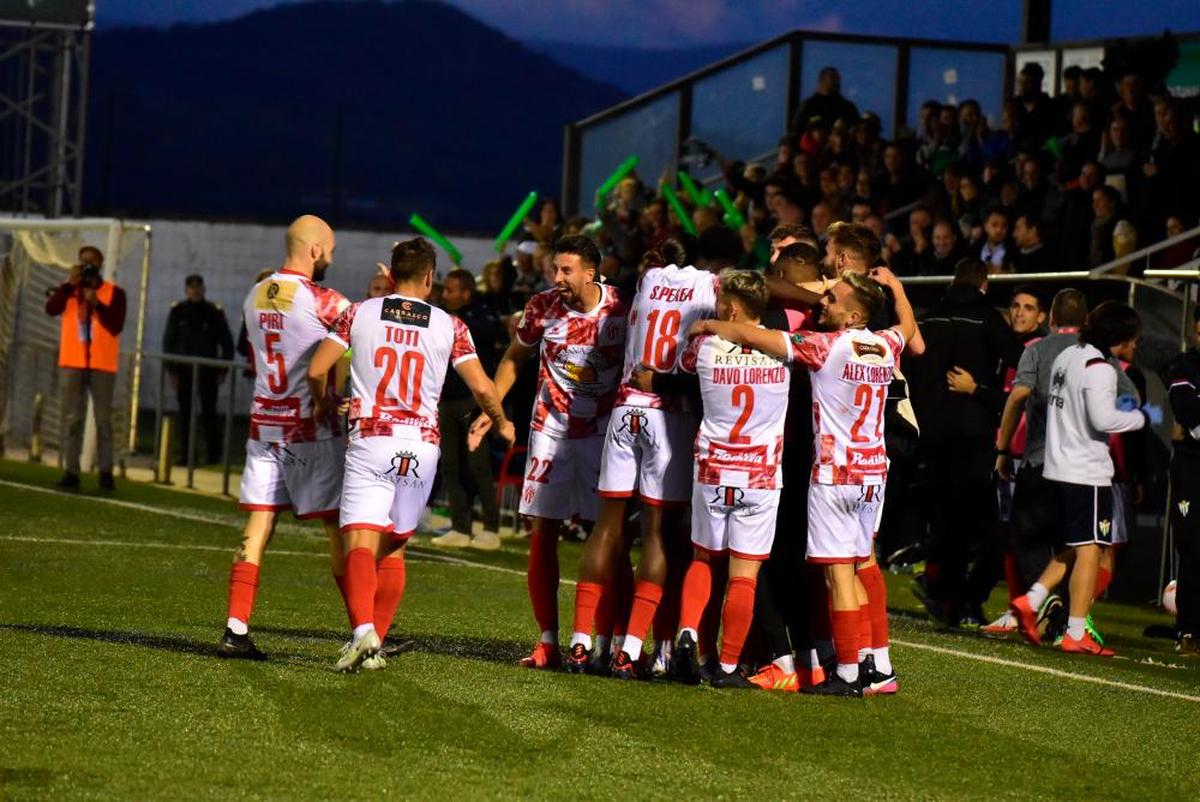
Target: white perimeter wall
point(229, 255)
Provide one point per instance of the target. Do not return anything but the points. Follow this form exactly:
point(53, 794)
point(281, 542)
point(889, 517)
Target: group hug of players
point(681, 399)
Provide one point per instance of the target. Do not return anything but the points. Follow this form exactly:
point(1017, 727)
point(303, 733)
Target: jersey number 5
point(277, 381)
point(661, 339)
point(412, 366)
point(863, 396)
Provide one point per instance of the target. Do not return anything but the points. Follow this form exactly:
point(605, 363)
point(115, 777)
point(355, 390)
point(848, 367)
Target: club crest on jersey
point(275, 296)
point(405, 463)
point(1184, 506)
point(528, 494)
point(728, 496)
point(633, 421)
point(1105, 527)
point(1058, 380)
point(405, 312)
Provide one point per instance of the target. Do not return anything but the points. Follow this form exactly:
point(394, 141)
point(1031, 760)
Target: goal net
point(35, 257)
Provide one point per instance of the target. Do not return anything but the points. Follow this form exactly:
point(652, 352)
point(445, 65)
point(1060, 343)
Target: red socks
point(587, 599)
point(1103, 580)
point(735, 621)
point(845, 636)
point(646, 596)
point(243, 584)
point(542, 578)
point(361, 584)
point(872, 579)
point(697, 585)
point(390, 575)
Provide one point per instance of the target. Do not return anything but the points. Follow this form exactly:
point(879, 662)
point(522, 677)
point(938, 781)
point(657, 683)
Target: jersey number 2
point(661, 341)
point(412, 367)
point(743, 396)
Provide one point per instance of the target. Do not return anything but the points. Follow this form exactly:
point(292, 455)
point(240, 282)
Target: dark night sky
point(678, 23)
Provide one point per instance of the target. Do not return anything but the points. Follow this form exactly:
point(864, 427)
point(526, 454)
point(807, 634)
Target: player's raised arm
point(488, 399)
point(768, 341)
point(906, 320)
point(323, 360)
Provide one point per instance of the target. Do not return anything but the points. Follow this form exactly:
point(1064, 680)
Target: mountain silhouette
point(362, 112)
point(635, 70)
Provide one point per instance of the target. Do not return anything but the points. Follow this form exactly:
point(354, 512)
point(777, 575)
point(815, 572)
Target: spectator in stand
point(1093, 92)
point(788, 209)
point(1031, 254)
point(197, 327)
point(548, 227)
point(1075, 219)
point(1134, 105)
point(456, 410)
point(822, 217)
point(498, 279)
point(1118, 155)
point(967, 210)
point(1064, 103)
point(1181, 252)
point(1183, 383)
point(379, 285)
point(1173, 171)
point(945, 253)
point(1082, 144)
point(996, 245)
point(1105, 208)
point(89, 344)
point(529, 280)
point(918, 242)
point(868, 149)
point(964, 337)
point(1035, 117)
point(784, 235)
point(827, 102)
point(897, 187)
point(1034, 194)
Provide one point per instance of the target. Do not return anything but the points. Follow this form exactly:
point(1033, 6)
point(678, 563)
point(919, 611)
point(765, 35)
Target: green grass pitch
point(108, 688)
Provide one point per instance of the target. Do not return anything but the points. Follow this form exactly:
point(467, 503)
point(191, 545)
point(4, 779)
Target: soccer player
point(850, 368)
point(580, 327)
point(1183, 383)
point(295, 450)
point(647, 450)
point(1081, 413)
point(402, 348)
point(735, 498)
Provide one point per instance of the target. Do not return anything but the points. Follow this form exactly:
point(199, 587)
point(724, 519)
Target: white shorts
point(842, 520)
point(388, 482)
point(650, 451)
point(303, 477)
point(739, 520)
point(561, 477)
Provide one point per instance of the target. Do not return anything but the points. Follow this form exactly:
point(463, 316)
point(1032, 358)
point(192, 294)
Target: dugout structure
point(35, 256)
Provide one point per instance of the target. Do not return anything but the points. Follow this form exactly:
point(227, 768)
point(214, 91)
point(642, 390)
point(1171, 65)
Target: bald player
point(293, 456)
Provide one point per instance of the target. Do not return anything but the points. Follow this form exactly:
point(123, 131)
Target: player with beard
point(647, 450)
point(579, 327)
point(851, 369)
point(295, 450)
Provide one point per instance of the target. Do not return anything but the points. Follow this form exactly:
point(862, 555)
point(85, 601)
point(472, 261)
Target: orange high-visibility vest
point(93, 346)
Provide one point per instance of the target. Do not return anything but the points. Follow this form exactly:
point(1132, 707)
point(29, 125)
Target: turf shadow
point(495, 650)
point(165, 643)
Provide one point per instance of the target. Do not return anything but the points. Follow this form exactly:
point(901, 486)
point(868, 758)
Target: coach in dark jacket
point(197, 327)
point(963, 333)
point(1183, 381)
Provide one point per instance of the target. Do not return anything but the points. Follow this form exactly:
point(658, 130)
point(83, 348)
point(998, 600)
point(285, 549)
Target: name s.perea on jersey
point(674, 295)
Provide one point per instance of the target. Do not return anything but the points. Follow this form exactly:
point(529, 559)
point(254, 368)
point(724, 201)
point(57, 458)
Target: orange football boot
point(544, 655)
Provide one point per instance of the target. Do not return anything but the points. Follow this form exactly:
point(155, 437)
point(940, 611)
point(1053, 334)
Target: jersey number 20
point(412, 366)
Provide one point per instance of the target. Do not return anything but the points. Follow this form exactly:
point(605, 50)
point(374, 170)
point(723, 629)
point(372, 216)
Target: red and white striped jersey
point(851, 371)
point(745, 394)
point(582, 354)
point(669, 300)
point(287, 315)
point(402, 348)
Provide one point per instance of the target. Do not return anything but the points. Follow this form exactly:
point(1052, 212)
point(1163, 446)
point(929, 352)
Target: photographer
point(93, 314)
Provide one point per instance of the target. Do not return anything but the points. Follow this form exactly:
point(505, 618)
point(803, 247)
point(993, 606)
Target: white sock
point(1076, 627)
point(883, 661)
point(550, 636)
point(814, 658)
point(848, 672)
point(695, 635)
point(862, 654)
point(581, 637)
point(601, 646)
point(237, 626)
point(632, 646)
point(361, 630)
point(1037, 594)
point(729, 668)
point(786, 664)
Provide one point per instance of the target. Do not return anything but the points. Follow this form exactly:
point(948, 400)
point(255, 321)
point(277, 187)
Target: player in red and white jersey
point(402, 347)
point(738, 476)
point(579, 326)
point(294, 453)
point(850, 369)
point(647, 450)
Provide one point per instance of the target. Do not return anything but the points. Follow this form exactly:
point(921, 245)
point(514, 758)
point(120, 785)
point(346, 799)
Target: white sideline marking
point(434, 557)
point(1054, 672)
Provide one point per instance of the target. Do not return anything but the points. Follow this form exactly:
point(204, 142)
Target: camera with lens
point(89, 276)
